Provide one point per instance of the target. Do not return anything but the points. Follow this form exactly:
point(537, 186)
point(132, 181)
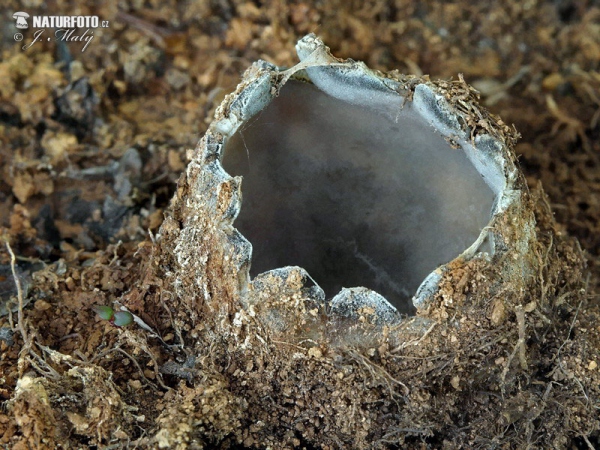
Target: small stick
point(20, 325)
point(519, 346)
point(521, 342)
point(589, 444)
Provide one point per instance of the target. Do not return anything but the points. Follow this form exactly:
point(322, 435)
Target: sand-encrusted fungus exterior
point(347, 246)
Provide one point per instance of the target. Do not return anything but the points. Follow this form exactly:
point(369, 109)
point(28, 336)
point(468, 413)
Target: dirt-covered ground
point(93, 138)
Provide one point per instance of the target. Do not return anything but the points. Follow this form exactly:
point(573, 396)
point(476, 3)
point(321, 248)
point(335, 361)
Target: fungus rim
point(488, 149)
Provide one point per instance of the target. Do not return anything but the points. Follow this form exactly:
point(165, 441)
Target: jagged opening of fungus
point(354, 196)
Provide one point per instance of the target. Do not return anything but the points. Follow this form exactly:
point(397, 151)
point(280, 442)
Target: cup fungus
point(321, 201)
point(362, 179)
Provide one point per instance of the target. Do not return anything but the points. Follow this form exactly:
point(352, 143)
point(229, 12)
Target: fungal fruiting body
point(358, 252)
point(363, 180)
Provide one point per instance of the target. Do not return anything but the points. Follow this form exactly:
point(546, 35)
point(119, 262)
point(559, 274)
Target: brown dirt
point(93, 143)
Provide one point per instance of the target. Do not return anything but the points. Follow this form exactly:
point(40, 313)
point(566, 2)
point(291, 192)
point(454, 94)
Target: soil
point(93, 143)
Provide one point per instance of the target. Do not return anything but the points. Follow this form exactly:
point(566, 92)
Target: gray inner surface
point(352, 196)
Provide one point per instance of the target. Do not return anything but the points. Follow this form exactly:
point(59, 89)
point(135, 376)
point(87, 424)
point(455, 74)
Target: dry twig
point(519, 346)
